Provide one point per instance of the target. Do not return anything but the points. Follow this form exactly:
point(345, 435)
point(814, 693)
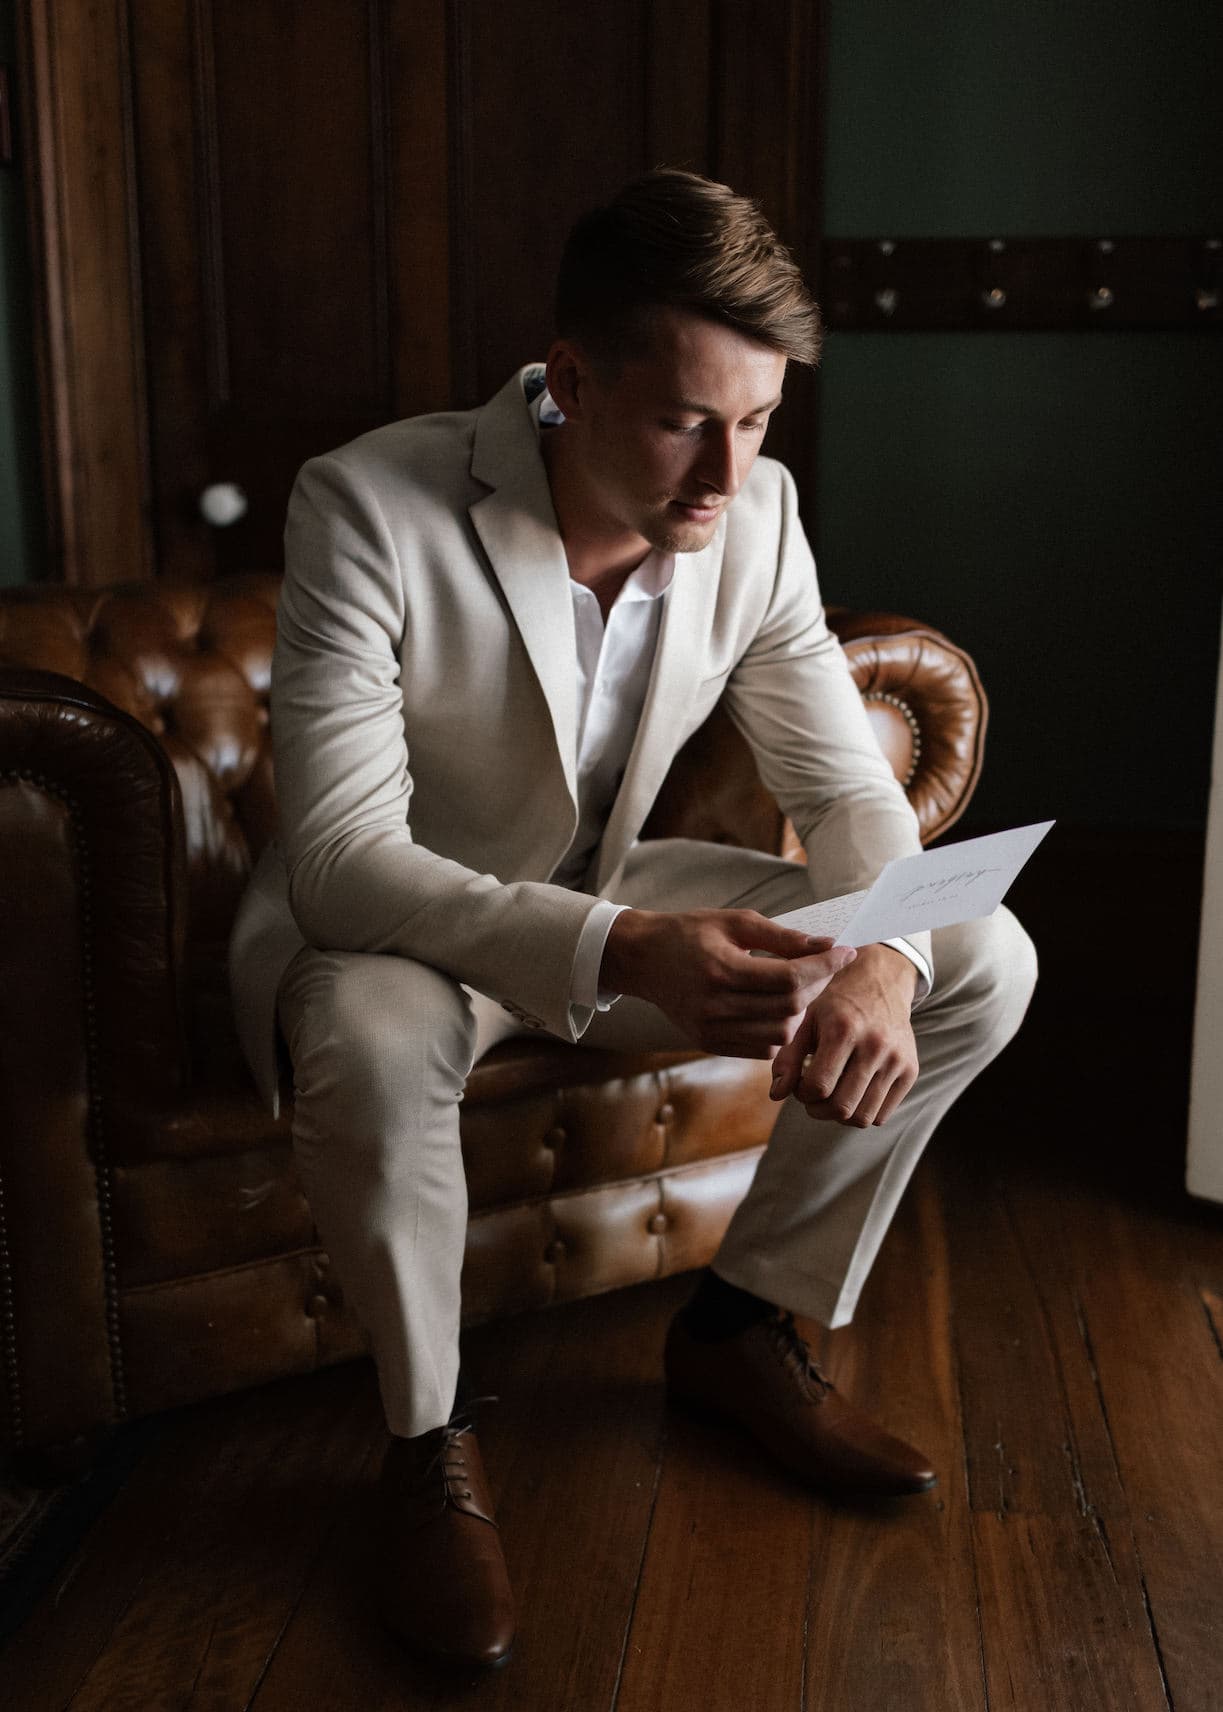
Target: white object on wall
point(222, 504)
point(1204, 1173)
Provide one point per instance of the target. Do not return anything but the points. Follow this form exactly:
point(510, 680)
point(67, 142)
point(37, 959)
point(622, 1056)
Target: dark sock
point(720, 1309)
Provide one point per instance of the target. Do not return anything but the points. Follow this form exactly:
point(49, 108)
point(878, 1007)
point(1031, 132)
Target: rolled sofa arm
point(926, 706)
point(93, 899)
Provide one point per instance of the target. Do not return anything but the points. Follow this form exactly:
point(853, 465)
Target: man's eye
point(681, 427)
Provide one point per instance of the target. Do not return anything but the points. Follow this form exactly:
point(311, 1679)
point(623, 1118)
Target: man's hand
point(854, 1058)
point(697, 967)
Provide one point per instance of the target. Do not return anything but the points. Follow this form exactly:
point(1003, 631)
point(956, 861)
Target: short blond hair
point(677, 240)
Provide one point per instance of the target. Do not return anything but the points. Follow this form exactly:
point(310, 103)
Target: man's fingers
point(857, 1097)
point(822, 1069)
point(757, 933)
point(743, 1040)
point(895, 1095)
point(787, 1065)
point(756, 1007)
point(804, 976)
point(860, 1098)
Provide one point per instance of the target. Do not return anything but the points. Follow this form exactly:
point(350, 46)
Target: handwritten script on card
point(936, 888)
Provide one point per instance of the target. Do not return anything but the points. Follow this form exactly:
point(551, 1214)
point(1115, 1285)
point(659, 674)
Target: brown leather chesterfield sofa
point(155, 1246)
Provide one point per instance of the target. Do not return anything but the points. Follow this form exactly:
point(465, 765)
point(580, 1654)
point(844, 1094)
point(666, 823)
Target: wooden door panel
point(553, 121)
point(276, 345)
point(302, 242)
point(350, 211)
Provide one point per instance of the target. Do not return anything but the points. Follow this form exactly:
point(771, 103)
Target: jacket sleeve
point(357, 880)
point(793, 698)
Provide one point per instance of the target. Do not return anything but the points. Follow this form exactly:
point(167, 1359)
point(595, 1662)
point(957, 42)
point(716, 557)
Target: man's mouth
point(696, 513)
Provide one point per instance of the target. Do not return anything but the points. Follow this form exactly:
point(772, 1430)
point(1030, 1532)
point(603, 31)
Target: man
point(496, 629)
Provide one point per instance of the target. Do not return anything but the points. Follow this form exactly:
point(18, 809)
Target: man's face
point(666, 444)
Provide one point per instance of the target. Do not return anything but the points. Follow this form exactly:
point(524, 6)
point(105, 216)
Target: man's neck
point(601, 557)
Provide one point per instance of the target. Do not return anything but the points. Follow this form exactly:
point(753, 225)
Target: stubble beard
point(671, 537)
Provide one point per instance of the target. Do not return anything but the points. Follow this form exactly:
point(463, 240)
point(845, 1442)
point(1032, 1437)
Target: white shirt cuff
point(919, 963)
point(585, 992)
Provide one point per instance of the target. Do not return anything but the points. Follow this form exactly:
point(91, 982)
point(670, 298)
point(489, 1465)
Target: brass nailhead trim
point(910, 719)
point(96, 1126)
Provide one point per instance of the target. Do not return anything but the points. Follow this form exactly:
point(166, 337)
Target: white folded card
point(935, 888)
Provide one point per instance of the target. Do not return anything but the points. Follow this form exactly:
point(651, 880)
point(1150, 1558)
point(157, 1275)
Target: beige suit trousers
point(381, 1047)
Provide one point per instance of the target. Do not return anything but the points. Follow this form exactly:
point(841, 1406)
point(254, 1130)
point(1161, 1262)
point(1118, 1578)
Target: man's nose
point(719, 465)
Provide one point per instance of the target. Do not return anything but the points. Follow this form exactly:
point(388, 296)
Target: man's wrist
point(618, 970)
point(888, 965)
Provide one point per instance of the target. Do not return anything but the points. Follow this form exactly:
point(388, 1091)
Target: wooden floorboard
point(1062, 1616)
point(178, 1594)
point(1161, 1382)
point(720, 1614)
point(892, 1601)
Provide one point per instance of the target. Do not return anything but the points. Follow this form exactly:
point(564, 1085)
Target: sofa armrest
point(92, 878)
point(928, 711)
point(926, 704)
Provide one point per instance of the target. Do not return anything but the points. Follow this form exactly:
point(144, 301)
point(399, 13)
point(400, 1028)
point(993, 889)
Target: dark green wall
point(21, 527)
point(1053, 501)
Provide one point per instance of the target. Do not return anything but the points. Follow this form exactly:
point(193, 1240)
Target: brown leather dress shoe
point(763, 1379)
point(442, 1582)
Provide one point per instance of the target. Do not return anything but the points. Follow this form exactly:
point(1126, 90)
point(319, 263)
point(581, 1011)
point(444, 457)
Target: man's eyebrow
point(696, 409)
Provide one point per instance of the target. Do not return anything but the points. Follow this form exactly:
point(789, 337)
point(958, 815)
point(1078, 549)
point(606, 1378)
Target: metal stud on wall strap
point(1088, 283)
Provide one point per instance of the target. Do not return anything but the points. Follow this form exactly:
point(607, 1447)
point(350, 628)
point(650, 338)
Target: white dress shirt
point(614, 661)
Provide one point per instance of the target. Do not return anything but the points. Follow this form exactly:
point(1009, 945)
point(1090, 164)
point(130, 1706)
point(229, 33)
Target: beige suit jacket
point(424, 715)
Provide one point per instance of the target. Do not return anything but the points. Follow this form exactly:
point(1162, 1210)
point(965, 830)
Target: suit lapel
point(678, 663)
point(517, 528)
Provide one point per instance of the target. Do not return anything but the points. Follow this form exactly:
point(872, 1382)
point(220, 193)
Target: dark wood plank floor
point(1045, 1320)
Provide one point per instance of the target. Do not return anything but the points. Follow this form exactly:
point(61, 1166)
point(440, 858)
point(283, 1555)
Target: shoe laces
point(450, 1456)
point(789, 1343)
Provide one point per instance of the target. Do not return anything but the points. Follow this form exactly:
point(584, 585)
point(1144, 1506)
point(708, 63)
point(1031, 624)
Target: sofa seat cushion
point(214, 1185)
point(542, 1118)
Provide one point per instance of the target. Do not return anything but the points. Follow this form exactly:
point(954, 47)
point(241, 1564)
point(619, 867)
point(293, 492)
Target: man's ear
point(569, 373)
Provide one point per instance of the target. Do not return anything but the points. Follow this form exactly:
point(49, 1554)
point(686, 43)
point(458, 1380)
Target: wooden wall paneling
point(78, 141)
point(176, 169)
point(460, 206)
point(301, 305)
point(558, 98)
point(296, 208)
point(678, 112)
point(767, 142)
point(419, 245)
point(313, 220)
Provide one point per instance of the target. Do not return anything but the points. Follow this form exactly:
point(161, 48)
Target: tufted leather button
point(658, 1224)
point(322, 1261)
point(554, 1137)
point(554, 1252)
point(665, 1113)
point(317, 1307)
